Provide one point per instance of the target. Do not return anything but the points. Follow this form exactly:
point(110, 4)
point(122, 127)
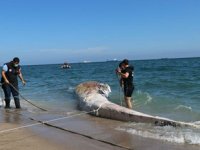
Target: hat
point(16, 60)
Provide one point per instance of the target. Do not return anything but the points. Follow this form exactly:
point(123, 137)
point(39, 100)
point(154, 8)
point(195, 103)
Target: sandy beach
point(23, 130)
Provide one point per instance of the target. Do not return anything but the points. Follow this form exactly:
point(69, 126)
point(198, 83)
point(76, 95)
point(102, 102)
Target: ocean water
point(163, 87)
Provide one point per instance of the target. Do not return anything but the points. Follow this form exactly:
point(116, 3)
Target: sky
point(55, 31)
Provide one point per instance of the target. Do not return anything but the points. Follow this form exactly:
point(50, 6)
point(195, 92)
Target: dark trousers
point(8, 89)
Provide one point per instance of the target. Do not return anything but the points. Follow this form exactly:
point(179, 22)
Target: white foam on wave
point(192, 138)
point(142, 98)
point(70, 89)
point(149, 98)
point(167, 133)
point(183, 107)
point(197, 122)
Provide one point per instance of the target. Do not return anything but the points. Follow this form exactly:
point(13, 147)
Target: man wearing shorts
point(126, 74)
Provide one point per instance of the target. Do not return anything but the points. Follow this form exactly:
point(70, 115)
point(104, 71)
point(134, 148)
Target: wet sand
point(23, 130)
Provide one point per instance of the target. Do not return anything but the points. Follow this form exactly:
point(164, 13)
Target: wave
point(149, 98)
point(142, 98)
point(70, 89)
point(183, 108)
point(197, 122)
point(167, 133)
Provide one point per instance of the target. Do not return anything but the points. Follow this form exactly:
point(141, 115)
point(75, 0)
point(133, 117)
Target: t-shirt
point(128, 81)
point(11, 73)
point(5, 68)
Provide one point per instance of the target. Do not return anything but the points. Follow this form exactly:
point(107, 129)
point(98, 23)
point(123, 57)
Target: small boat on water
point(65, 66)
point(93, 98)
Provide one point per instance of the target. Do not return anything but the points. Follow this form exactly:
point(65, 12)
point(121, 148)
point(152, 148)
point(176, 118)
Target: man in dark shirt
point(126, 73)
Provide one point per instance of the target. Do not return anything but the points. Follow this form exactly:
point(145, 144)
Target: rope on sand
point(41, 122)
point(61, 118)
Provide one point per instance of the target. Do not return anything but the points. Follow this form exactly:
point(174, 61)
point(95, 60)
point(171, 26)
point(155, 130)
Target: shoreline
point(21, 130)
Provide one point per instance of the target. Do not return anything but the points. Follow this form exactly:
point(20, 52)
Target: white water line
point(2, 97)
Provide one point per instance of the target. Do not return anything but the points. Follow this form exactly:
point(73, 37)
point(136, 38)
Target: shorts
point(128, 90)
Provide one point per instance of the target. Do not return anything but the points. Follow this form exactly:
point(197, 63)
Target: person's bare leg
point(128, 102)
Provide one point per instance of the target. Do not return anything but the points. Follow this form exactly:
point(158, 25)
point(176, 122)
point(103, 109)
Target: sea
point(165, 87)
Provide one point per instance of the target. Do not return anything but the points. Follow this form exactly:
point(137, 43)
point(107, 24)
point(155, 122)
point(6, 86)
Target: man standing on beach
point(10, 73)
point(126, 73)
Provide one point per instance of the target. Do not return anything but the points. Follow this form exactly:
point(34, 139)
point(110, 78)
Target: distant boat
point(115, 59)
point(86, 61)
point(65, 66)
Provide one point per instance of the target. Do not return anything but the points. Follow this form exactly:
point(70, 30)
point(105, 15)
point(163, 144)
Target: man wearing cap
point(10, 73)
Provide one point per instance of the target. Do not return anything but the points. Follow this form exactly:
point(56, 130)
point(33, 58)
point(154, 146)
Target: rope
point(30, 125)
point(97, 110)
point(56, 119)
point(21, 127)
point(44, 122)
point(90, 137)
point(27, 99)
point(118, 77)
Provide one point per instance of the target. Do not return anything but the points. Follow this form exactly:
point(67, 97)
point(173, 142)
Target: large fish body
point(93, 98)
